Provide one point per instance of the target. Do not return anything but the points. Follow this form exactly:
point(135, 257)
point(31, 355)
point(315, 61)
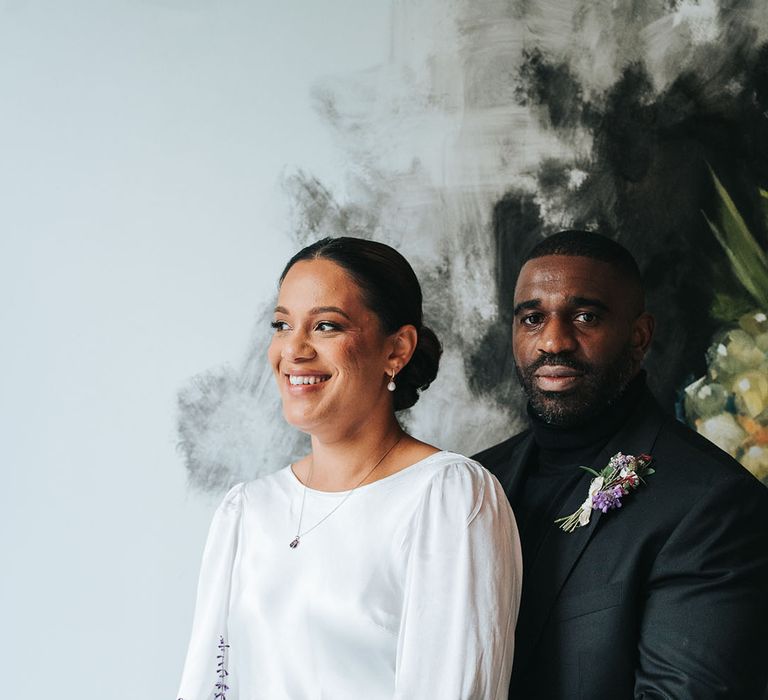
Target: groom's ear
point(642, 335)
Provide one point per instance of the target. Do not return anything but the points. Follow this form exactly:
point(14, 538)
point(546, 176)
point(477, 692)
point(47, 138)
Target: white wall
point(142, 223)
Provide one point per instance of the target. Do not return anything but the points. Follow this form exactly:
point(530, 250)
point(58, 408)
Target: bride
point(376, 567)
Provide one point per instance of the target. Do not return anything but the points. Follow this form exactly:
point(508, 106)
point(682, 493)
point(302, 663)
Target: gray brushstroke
point(488, 127)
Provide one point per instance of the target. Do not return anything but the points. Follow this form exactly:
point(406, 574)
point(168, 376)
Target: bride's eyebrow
point(329, 309)
point(317, 310)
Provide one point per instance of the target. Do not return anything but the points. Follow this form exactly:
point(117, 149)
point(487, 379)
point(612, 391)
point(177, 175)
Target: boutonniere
point(623, 474)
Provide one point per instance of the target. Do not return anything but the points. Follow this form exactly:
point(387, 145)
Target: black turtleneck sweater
point(553, 471)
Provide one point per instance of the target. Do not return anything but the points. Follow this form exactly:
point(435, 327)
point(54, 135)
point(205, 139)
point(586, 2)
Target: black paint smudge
point(647, 183)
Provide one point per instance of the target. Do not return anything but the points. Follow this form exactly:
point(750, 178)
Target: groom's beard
point(599, 386)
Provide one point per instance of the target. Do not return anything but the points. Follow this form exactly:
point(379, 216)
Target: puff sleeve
point(213, 596)
point(462, 591)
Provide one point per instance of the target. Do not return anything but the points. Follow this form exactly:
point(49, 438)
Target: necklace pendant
point(294, 542)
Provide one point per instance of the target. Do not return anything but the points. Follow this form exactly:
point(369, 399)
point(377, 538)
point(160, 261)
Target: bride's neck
point(339, 462)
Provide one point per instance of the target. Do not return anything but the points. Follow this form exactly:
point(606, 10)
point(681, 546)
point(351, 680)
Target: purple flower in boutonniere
point(623, 474)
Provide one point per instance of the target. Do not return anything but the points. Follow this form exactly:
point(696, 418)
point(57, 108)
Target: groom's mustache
point(560, 360)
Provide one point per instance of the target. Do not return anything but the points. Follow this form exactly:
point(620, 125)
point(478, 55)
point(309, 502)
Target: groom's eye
point(587, 317)
point(531, 319)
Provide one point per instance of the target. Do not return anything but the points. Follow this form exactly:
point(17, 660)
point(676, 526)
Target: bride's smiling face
point(328, 352)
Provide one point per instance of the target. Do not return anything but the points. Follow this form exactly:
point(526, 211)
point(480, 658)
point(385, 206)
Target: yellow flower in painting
point(724, 431)
point(751, 392)
point(704, 399)
point(756, 460)
point(734, 352)
point(755, 323)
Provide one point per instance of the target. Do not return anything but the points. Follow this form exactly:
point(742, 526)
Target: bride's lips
point(557, 377)
point(305, 382)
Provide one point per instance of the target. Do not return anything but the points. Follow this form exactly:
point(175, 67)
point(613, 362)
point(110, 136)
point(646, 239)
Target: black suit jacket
point(666, 597)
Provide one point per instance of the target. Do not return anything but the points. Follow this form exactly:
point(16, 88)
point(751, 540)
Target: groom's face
point(579, 335)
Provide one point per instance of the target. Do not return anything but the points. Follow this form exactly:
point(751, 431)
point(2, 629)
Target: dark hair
point(391, 290)
point(592, 245)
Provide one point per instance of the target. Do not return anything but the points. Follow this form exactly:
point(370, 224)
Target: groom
point(665, 594)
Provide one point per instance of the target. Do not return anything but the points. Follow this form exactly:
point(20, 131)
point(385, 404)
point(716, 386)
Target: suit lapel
point(560, 550)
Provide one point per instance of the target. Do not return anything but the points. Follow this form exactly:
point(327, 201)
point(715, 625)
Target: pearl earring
point(392, 386)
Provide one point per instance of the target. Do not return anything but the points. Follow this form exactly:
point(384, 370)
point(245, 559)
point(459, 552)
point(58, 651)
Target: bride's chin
point(301, 420)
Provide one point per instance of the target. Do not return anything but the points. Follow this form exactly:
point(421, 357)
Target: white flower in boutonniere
point(586, 508)
point(623, 474)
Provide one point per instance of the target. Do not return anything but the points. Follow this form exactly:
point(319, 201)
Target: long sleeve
point(706, 613)
point(462, 591)
point(213, 593)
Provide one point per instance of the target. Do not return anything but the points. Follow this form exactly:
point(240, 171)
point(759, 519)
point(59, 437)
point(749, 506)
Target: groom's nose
point(557, 336)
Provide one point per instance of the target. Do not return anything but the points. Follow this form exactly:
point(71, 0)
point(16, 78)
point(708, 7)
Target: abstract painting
point(494, 123)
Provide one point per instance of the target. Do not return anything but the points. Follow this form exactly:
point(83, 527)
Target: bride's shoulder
point(264, 486)
point(445, 461)
point(457, 489)
point(451, 471)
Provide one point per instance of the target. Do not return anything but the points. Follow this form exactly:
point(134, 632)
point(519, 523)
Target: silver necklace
point(299, 534)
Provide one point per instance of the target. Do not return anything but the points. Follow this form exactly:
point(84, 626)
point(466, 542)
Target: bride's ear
point(403, 343)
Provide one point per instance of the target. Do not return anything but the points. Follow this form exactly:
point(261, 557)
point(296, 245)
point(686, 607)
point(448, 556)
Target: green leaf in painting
point(764, 202)
point(745, 254)
point(726, 308)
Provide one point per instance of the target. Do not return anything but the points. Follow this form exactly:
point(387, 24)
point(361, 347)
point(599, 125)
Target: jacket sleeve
point(705, 624)
point(209, 629)
point(462, 591)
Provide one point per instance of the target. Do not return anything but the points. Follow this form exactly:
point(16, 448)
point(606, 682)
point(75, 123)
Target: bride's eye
point(327, 326)
point(279, 325)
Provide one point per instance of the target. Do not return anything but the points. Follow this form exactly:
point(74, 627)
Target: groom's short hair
point(596, 246)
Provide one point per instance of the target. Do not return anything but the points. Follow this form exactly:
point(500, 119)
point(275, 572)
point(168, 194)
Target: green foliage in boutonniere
point(623, 474)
